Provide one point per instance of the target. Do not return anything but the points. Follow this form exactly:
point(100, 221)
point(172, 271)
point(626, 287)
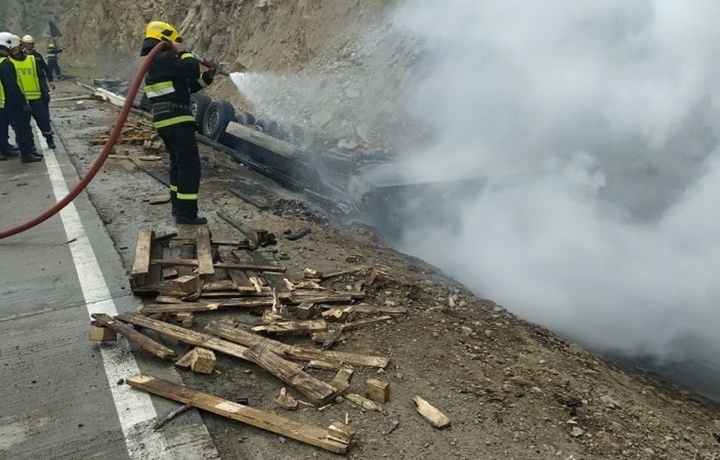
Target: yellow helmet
point(161, 31)
point(51, 46)
point(28, 39)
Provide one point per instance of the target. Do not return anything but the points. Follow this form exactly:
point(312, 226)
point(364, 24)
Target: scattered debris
point(171, 415)
point(431, 414)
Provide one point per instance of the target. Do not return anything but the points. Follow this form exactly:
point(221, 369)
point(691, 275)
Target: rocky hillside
point(304, 61)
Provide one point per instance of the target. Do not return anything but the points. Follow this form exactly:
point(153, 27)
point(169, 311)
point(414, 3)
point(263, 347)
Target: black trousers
point(41, 114)
point(184, 167)
point(53, 68)
point(20, 122)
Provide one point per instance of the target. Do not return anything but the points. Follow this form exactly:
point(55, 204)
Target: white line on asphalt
point(134, 408)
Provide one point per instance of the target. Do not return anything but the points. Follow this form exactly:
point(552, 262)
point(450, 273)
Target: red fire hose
point(90, 175)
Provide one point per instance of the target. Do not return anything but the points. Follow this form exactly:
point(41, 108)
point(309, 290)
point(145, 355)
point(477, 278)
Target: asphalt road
point(62, 395)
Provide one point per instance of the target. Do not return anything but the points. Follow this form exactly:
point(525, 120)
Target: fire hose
point(107, 149)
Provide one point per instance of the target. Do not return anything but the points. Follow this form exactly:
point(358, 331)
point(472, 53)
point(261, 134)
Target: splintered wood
point(189, 275)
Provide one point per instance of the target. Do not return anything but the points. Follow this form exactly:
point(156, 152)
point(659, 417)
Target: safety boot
point(30, 158)
point(50, 142)
point(3, 157)
point(197, 220)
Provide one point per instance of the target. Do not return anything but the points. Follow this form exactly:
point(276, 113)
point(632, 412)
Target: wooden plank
point(255, 200)
point(317, 391)
point(283, 426)
point(240, 336)
point(219, 265)
point(240, 279)
point(341, 381)
point(141, 265)
point(362, 401)
point(204, 251)
point(377, 390)
point(431, 414)
point(293, 326)
point(291, 373)
point(135, 337)
point(202, 360)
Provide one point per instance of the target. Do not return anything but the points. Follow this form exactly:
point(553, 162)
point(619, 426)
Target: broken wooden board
point(204, 251)
point(255, 200)
point(317, 391)
point(240, 336)
point(341, 381)
point(141, 265)
point(377, 390)
point(202, 360)
point(289, 428)
point(285, 401)
point(219, 265)
point(292, 326)
point(362, 401)
point(431, 414)
point(135, 337)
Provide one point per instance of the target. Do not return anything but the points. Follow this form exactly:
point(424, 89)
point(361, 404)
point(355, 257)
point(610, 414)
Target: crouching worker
point(173, 75)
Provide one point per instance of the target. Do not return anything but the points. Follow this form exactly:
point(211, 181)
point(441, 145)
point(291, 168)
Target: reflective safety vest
point(2, 89)
point(28, 78)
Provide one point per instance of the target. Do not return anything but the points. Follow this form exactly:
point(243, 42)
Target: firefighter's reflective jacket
point(168, 85)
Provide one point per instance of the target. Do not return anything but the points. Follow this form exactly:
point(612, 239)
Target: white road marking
point(134, 408)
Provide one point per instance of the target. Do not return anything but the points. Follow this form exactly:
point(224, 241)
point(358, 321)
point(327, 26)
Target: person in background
point(173, 75)
point(46, 84)
point(30, 81)
point(15, 108)
point(52, 61)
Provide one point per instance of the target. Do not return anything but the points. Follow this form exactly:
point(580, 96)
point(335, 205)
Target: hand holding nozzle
point(211, 65)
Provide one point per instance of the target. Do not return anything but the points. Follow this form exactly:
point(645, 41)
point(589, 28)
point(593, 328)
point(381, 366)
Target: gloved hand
point(26, 108)
point(209, 76)
point(52, 85)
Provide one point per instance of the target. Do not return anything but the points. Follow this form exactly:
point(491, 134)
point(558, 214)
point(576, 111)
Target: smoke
point(606, 113)
point(595, 124)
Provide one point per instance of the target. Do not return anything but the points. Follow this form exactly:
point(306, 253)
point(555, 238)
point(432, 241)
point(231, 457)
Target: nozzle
point(218, 68)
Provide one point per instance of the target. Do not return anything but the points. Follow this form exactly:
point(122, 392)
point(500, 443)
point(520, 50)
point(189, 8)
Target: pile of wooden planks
point(133, 133)
point(191, 275)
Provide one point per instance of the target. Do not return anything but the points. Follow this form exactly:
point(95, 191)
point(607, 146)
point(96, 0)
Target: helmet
point(51, 46)
point(8, 40)
point(161, 31)
point(28, 39)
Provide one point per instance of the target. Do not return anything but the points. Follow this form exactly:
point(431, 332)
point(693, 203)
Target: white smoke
point(609, 111)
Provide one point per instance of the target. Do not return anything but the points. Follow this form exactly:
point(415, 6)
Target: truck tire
point(216, 118)
point(198, 106)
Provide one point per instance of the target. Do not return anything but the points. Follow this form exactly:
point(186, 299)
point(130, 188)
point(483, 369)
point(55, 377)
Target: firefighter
point(171, 78)
point(52, 61)
point(15, 107)
point(30, 79)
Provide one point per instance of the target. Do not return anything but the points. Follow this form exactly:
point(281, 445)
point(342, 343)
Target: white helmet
point(28, 39)
point(8, 40)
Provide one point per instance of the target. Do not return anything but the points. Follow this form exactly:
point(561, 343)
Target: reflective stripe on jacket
point(168, 85)
point(28, 78)
point(2, 88)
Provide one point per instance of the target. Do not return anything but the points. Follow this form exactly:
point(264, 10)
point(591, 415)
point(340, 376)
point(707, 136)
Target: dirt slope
point(511, 389)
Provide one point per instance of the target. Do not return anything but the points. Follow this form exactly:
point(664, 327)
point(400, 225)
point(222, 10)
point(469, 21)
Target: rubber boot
point(50, 142)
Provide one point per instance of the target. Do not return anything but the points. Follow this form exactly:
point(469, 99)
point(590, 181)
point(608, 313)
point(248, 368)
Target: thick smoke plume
point(606, 116)
point(595, 124)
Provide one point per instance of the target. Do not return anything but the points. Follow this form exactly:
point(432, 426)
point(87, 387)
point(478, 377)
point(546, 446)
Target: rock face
point(311, 63)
